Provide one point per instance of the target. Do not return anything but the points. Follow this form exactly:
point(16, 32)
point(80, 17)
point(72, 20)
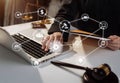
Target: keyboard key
point(31, 47)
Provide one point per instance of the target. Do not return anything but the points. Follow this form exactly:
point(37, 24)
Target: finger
point(57, 38)
point(45, 41)
point(61, 39)
point(113, 48)
point(115, 42)
point(48, 42)
point(113, 37)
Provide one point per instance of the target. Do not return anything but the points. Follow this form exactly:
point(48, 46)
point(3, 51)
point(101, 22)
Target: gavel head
point(99, 73)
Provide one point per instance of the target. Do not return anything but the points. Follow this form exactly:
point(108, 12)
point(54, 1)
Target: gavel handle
point(58, 63)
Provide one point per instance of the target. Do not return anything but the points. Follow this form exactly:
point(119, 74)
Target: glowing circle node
point(85, 17)
point(103, 25)
point(42, 12)
point(65, 26)
point(81, 59)
point(103, 43)
point(16, 46)
point(35, 63)
point(56, 47)
point(18, 14)
point(38, 35)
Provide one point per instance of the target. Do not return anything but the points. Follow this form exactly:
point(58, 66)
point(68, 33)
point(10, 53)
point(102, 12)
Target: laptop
point(27, 48)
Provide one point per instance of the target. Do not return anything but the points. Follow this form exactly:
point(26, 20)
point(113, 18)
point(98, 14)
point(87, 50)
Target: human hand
point(114, 42)
point(56, 36)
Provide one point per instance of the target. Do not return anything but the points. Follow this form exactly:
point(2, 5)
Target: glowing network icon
point(42, 12)
point(103, 25)
point(102, 43)
point(56, 47)
point(18, 14)
point(85, 17)
point(64, 26)
point(16, 46)
point(38, 35)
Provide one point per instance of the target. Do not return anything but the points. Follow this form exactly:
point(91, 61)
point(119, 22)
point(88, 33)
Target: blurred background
point(8, 8)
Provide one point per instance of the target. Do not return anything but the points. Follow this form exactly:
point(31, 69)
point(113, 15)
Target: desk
point(14, 69)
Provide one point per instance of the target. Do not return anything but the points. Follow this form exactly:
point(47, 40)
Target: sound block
point(111, 78)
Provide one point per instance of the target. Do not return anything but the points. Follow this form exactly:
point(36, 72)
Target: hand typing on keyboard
point(29, 46)
point(52, 41)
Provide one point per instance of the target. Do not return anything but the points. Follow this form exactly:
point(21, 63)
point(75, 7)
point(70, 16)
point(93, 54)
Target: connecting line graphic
point(103, 25)
point(94, 20)
point(85, 17)
point(82, 58)
point(86, 36)
point(65, 26)
point(18, 46)
point(42, 12)
point(30, 12)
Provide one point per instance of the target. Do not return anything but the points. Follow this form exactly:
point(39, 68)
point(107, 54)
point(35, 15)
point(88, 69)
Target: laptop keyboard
point(31, 47)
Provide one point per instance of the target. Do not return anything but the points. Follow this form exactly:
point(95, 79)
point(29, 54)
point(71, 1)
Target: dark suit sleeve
point(67, 12)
